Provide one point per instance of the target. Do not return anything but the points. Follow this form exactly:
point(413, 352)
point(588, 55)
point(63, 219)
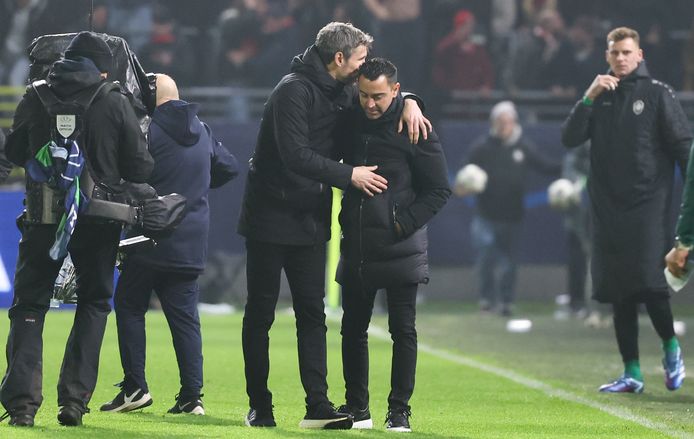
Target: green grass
point(451, 400)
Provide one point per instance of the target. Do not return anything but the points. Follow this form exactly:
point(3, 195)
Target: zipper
point(361, 208)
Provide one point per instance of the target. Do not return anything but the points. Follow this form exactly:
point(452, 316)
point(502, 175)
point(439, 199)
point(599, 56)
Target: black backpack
point(67, 124)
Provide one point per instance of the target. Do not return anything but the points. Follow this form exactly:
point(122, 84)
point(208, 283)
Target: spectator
point(661, 50)
point(133, 19)
point(541, 58)
point(239, 42)
point(16, 25)
point(167, 50)
point(459, 62)
point(587, 58)
point(401, 34)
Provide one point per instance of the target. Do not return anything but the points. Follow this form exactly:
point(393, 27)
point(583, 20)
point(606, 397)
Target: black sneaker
point(70, 416)
point(398, 420)
point(326, 417)
point(362, 417)
point(191, 406)
point(260, 418)
point(19, 419)
point(125, 403)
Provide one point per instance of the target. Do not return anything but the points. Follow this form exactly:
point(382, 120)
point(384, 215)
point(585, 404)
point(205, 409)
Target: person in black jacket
point(506, 156)
point(638, 132)
point(285, 215)
point(384, 243)
point(115, 149)
point(187, 161)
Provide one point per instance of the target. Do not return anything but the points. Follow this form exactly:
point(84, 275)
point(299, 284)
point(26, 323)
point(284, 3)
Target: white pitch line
point(618, 412)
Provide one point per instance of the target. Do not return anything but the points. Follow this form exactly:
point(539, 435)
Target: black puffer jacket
point(417, 189)
point(287, 197)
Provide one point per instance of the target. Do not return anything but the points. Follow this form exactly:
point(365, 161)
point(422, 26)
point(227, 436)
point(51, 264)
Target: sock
point(632, 368)
point(671, 346)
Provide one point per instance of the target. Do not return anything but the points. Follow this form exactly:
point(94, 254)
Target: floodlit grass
point(451, 400)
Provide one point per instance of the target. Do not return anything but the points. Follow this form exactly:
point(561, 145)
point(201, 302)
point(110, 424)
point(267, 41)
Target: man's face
point(376, 96)
point(504, 124)
point(623, 56)
point(348, 68)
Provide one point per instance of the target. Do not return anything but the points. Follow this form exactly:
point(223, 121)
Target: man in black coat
point(507, 156)
point(286, 210)
point(115, 149)
point(187, 161)
point(384, 242)
point(638, 133)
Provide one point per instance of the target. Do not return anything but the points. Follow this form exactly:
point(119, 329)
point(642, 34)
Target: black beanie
point(89, 45)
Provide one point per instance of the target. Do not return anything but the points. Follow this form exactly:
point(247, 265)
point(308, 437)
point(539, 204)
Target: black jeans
point(178, 294)
point(304, 267)
point(626, 323)
point(93, 250)
point(357, 304)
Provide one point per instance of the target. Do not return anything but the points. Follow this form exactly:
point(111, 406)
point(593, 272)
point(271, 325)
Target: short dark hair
point(340, 37)
point(622, 33)
point(375, 67)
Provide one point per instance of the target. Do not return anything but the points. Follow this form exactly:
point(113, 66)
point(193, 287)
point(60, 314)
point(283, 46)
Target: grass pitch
point(474, 380)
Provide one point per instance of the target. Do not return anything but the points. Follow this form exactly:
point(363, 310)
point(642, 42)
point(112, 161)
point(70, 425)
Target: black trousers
point(178, 294)
point(626, 323)
point(93, 250)
point(577, 271)
point(304, 267)
point(357, 303)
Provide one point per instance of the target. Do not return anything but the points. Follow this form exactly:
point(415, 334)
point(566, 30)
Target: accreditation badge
point(65, 124)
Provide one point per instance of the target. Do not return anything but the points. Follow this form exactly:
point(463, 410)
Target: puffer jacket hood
point(179, 119)
point(69, 76)
point(311, 65)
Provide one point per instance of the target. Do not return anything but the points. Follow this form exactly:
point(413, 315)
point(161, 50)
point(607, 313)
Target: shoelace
point(404, 412)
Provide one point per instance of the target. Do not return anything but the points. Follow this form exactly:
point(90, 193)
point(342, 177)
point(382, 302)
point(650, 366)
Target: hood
point(69, 76)
point(179, 119)
point(311, 65)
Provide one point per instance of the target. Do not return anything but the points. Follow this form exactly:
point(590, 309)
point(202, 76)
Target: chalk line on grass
point(618, 412)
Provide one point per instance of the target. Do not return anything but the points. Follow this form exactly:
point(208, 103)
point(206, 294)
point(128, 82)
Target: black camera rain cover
point(133, 80)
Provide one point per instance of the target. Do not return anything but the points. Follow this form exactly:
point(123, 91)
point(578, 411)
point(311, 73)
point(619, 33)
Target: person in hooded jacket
point(638, 133)
point(286, 211)
point(115, 149)
point(384, 241)
point(188, 161)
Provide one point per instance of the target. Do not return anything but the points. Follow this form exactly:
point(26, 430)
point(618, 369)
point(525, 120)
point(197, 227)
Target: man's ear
point(339, 58)
point(396, 89)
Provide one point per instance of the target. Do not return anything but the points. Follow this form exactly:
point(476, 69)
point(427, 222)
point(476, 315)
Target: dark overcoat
point(638, 133)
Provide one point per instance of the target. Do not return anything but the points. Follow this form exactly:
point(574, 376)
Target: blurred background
point(461, 56)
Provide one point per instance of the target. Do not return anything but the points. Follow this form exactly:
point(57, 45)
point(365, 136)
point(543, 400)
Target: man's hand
point(676, 260)
point(364, 179)
point(600, 84)
point(415, 120)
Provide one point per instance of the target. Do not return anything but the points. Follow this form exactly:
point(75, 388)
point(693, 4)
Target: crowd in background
point(476, 45)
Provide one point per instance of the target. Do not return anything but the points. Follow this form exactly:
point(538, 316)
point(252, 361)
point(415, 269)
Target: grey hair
point(340, 37)
point(502, 108)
